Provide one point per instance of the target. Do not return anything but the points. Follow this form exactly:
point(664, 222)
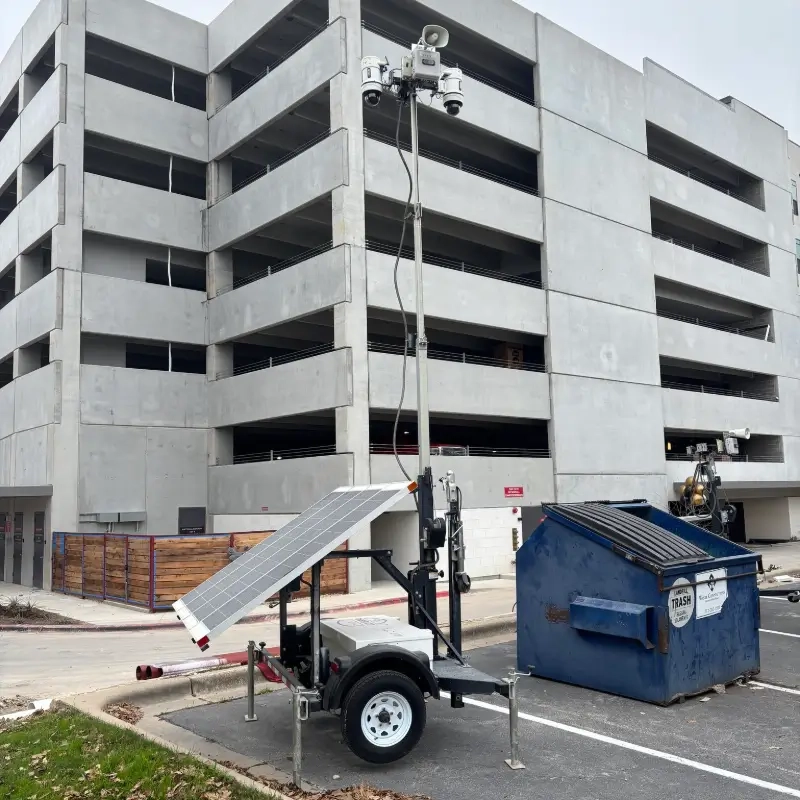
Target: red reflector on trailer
point(202, 643)
point(334, 667)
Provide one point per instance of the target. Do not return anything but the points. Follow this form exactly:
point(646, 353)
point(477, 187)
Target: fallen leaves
point(127, 712)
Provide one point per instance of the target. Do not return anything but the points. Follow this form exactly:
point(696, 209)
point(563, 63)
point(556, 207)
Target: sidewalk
point(785, 556)
point(108, 616)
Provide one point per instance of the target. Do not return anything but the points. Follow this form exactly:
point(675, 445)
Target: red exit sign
point(514, 491)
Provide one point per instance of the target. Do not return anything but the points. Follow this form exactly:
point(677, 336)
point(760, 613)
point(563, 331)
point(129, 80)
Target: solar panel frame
point(239, 587)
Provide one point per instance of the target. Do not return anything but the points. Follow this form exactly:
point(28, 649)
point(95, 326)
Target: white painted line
point(780, 633)
point(776, 688)
point(637, 748)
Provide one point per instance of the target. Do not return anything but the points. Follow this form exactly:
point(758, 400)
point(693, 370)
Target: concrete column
point(29, 269)
point(104, 352)
point(218, 90)
point(219, 358)
point(28, 86)
point(350, 319)
point(67, 254)
point(29, 176)
point(219, 271)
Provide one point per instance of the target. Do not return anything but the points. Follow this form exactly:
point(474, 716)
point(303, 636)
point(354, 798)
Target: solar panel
point(239, 587)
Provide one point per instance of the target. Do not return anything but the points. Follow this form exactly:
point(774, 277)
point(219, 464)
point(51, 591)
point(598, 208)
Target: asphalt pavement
point(576, 743)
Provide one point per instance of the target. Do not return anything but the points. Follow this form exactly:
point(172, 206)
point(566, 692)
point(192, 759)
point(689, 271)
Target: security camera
point(372, 69)
point(452, 91)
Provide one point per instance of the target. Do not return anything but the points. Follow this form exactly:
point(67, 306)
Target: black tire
point(365, 690)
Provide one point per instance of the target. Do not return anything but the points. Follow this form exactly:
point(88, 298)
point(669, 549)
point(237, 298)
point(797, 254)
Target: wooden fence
point(155, 571)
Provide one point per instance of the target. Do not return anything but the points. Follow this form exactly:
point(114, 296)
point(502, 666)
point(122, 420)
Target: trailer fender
point(370, 659)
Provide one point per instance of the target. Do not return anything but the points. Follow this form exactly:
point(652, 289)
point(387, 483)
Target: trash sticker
point(712, 592)
point(681, 602)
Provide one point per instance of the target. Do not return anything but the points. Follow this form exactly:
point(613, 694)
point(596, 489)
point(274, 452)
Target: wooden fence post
point(152, 574)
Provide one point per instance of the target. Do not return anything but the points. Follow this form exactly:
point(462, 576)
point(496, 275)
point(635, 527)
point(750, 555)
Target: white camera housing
point(372, 70)
point(452, 91)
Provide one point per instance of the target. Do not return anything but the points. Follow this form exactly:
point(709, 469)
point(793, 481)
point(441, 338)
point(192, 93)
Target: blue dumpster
point(627, 599)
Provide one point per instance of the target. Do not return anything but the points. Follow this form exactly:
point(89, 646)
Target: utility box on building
point(625, 598)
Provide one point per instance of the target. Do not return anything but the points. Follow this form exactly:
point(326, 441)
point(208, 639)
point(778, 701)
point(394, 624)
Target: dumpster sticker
point(712, 592)
point(681, 602)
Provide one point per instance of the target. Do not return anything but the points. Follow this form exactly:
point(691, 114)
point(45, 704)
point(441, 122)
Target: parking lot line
point(780, 633)
point(776, 688)
point(637, 748)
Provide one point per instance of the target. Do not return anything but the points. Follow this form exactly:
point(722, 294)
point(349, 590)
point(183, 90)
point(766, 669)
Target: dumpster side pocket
point(613, 618)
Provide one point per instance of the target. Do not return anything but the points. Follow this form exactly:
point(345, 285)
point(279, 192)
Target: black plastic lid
point(649, 542)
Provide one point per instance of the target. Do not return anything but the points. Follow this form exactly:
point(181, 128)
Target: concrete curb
point(134, 627)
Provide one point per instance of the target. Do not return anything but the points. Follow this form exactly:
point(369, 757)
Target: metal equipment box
point(627, 599)
point(344, 636)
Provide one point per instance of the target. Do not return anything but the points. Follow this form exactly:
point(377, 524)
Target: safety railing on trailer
point(453, 263)
point(279, 162)
point(469, 73)
point(758, 265)
point(702, 389)
point(280, 266)
point(450, 162)
point(689, 173)
point(283, 455)
point(275, 361)
point(465, 451)
point(460, 358)
point(760, 331)
point(760, 459)
point(275, 64)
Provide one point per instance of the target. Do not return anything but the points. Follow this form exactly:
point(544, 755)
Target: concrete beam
point(47, 109)
point(42, 210)
point(37, 398)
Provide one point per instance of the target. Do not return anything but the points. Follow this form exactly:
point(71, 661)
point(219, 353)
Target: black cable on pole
point(400, 106)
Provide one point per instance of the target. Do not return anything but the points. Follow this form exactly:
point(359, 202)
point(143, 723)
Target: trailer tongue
point(374, 671)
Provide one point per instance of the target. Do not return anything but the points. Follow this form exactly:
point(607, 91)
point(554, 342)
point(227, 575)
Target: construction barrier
point(155, 571)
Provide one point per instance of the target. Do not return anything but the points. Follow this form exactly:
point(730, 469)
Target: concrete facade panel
point(42, 210)
point(583, 84)
point(279, 487)
point(600, 340)
point(482, 480)
point(485, 107)
point(450, 294)
point(10, 70)
point(6, 411)
point(7, 462)
point(589, 172)
point(9, 238)
point(8, 330)
point(119, 396)
point(136, 212)
point(592, 257)
point(144, 119)
point(37, 398)
point(741, 478)
point(46, 16)
point(606, 427)
point(312, 384)
point(47, 109)
point(688, 342)
point(32, 457)
point(176, 476)
point(308, 71)
point(150, 29)
point(238, 25)
point(318, 283)
point(138, 310)
point(112, 469)
point(39, 308)
point(582, 488)
point(452, 192)
point(305, 178)
point(456, 388)
point(733, 131)
point(10, 154)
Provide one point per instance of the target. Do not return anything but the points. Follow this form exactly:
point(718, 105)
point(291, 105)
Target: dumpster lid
point(656, 545)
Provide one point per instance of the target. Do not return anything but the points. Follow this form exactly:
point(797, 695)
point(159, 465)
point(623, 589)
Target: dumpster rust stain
point(556, 614)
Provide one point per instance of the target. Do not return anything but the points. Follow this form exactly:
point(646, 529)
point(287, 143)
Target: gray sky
point(746, 48)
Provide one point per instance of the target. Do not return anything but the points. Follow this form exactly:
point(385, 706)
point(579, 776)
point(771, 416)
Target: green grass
point(65, 755)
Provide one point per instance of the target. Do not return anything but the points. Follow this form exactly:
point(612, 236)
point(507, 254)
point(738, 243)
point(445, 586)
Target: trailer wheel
point(383, 716)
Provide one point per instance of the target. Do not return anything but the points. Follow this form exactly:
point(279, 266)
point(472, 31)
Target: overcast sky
point(746, 48)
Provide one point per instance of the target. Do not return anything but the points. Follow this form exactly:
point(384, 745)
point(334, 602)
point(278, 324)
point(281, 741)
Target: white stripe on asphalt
point(780, 633)
point(776, 688)
point(637, 748)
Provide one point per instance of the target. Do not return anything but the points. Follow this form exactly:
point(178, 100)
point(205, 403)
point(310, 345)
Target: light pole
point(420, 70)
